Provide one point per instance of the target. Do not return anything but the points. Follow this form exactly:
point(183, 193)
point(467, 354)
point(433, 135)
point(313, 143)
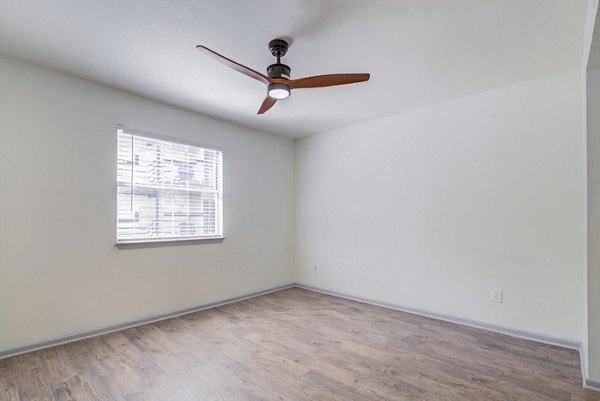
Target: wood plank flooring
point(297, 345)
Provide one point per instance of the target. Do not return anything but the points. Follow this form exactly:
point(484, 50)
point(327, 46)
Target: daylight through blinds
point(166, 190)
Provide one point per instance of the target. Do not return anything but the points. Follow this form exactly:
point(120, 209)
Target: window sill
point(168, 242)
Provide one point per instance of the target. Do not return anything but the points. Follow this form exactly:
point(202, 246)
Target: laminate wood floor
point(297, 345)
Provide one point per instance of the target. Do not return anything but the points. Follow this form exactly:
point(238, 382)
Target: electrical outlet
point(497, 296)
point(314, 269)
point(267, 269)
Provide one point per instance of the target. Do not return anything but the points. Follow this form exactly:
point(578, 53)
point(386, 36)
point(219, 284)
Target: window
point(167, 190)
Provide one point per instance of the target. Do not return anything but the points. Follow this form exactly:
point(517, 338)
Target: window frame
point(165, 241)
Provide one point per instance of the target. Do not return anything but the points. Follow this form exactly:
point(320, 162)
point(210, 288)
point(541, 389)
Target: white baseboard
point(587, 383)
point(560, 342)
point(591, 385)
point(133, 323)
point(582, 365)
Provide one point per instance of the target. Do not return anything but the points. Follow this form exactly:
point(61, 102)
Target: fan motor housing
point(278, 71)
point(278, 47)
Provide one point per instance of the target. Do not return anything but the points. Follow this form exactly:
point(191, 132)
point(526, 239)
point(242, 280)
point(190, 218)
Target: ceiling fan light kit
point(278, 81)
point(279, 91)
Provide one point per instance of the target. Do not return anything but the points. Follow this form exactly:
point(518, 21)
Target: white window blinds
point(167, 190)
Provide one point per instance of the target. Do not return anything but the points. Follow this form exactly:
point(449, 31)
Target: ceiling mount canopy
point(278, 81)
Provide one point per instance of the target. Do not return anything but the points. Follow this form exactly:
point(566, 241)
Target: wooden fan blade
point(234, 65)
point(320, 81)
point(266, 104)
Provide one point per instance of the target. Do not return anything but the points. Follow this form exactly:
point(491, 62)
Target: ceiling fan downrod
point(278, 48)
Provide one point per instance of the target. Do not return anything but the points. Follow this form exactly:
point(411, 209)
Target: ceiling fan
point(278, 79)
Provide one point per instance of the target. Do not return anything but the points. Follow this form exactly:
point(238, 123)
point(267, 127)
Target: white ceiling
point(418, 52)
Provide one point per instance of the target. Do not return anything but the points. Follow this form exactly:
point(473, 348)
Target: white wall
point(593, 125)
point(434, 208)
point(60, 272)
point(430, 209)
